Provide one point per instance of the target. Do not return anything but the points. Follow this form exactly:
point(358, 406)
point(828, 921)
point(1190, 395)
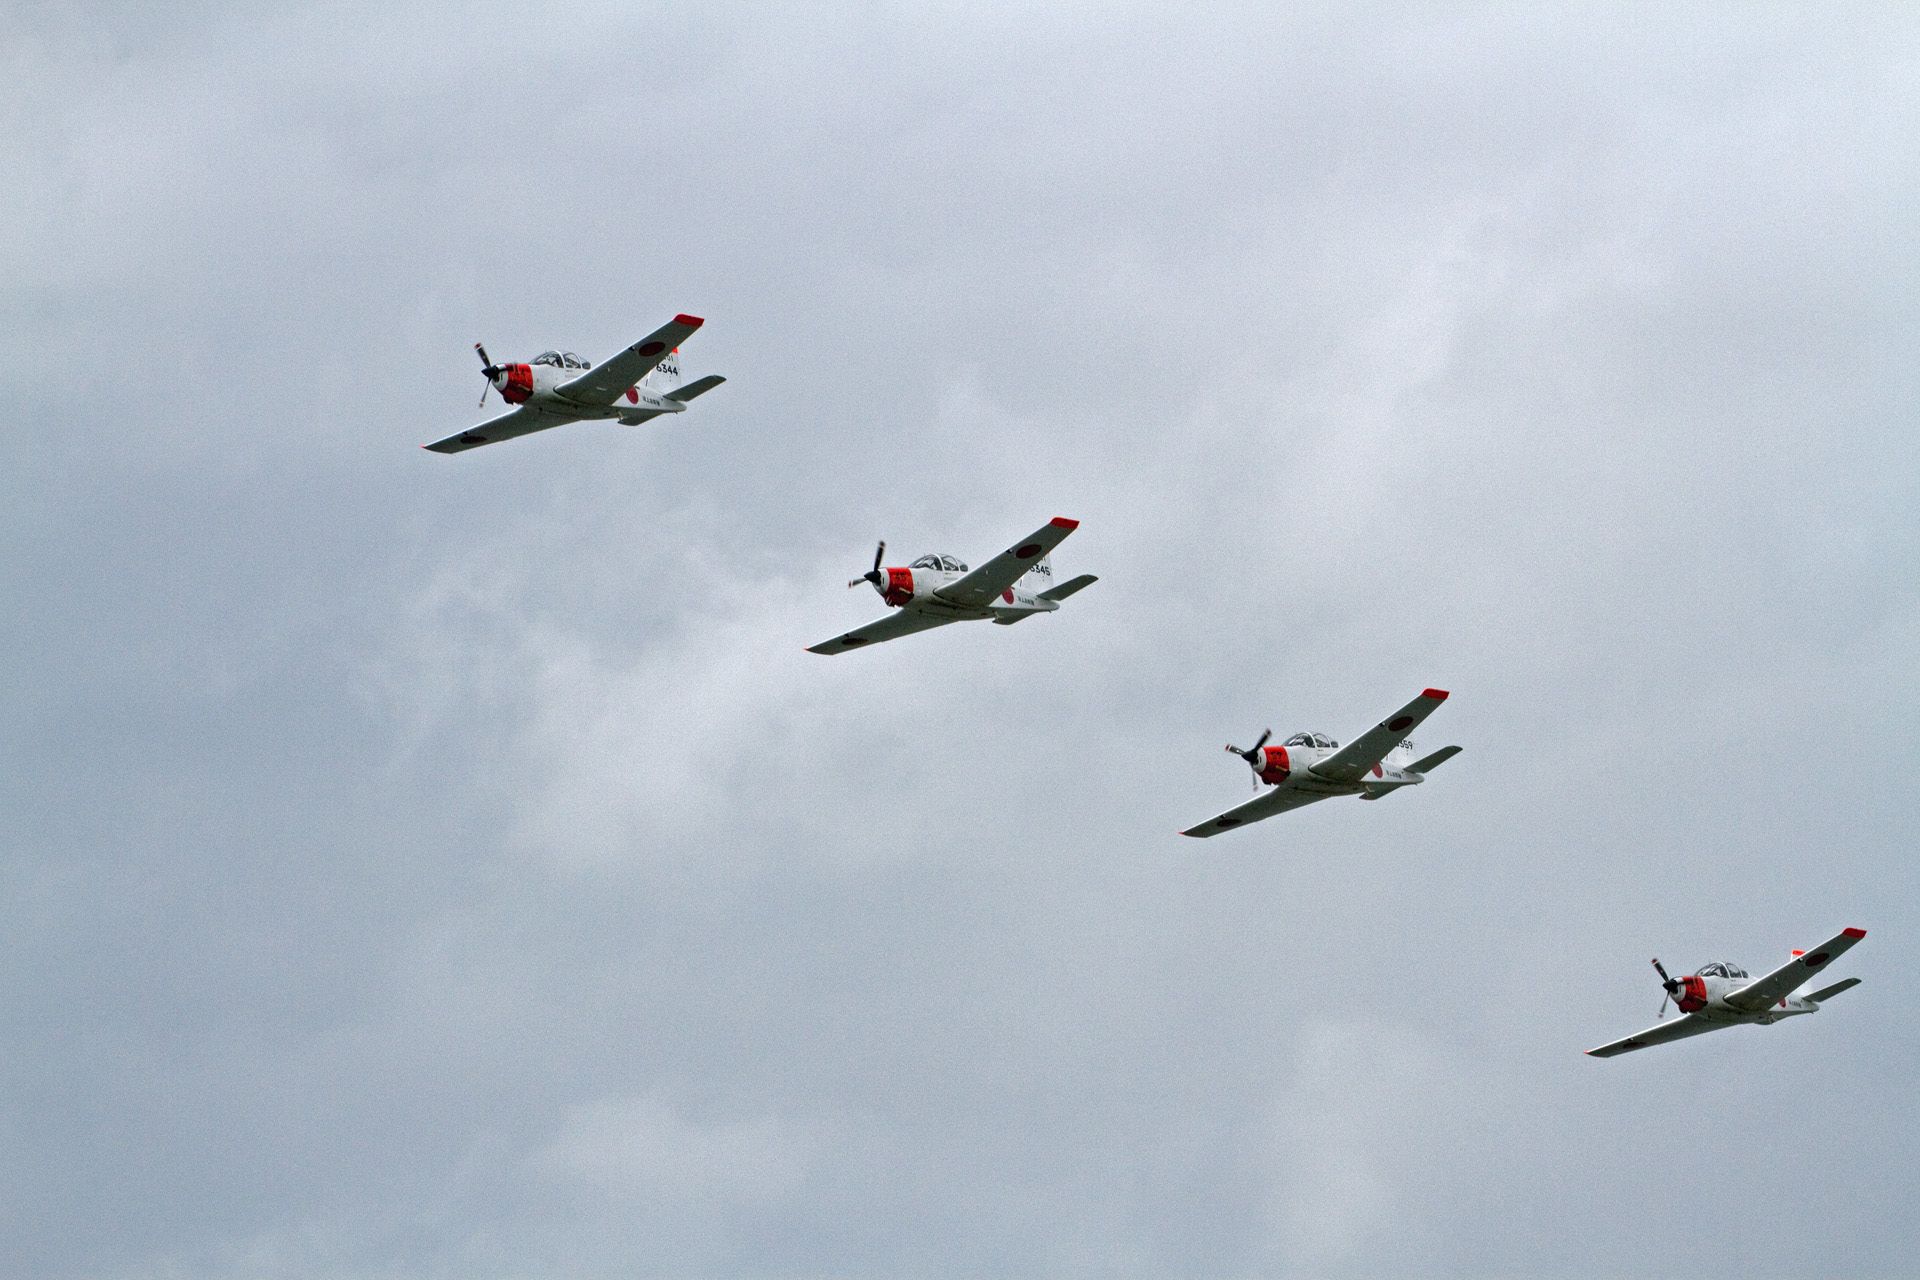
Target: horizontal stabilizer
point(1828, 993)
point(1427, 764)
point(698, 387)
point(1066, 589)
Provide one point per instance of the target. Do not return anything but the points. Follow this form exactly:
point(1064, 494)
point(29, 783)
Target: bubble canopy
point(948, 563)
point(561, 360)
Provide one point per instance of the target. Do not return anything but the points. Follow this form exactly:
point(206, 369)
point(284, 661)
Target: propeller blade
point(872, 575)
point(1665, 981)
point(1663, 1008)
point(487, 368)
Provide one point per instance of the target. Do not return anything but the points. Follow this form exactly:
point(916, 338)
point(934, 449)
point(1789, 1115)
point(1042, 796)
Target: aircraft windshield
point(1311, 740)
point(939, 562)
point(561, 360)
point(1721, 969)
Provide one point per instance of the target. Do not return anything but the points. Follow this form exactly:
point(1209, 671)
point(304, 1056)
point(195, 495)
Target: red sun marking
point(1028, 552)
point(651, 348)
point(1399, 722)
point(1007, 595)
point(633, 395)
point(1817, 959)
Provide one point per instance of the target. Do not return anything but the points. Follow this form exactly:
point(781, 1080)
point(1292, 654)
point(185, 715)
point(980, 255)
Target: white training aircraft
point(559, 387)
point(937, 589)
point(1721, 995)
point(1312, 766)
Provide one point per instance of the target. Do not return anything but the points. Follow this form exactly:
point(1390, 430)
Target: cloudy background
point(423, 866)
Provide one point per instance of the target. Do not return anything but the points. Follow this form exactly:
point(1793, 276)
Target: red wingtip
point(1061, 522)
point(691, 321)
point(1854, 933)
point(1438, 695)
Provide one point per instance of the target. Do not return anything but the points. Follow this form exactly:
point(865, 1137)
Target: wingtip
point(1853, 933)
point(1438, 695)
point(1061, 522)
point(692, 322)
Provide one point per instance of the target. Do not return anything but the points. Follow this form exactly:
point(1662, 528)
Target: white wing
point(891, 627)
point(1351, 762)
point(522, 421)
point(1007, 568)
point(1661, 1032)
point(606, 383)
point(1278, 800)
point(1761, 992)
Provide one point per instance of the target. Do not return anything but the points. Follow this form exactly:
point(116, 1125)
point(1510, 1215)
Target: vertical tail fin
point(1040, 577)
point(666, 375)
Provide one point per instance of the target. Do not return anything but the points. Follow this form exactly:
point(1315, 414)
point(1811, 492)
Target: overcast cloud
point(422, 866)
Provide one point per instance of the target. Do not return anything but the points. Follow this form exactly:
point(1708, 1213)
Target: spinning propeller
point(872, 575)
point(489, 368)
point(1252, 756)
point(1671, 984)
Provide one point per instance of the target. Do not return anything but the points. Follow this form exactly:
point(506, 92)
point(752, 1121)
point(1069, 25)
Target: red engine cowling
point(1693, 995)
point(899, 587)
point(1276, 769)
point(519, 384)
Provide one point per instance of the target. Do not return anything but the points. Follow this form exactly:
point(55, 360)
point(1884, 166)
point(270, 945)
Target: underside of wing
point(522, 421)
point(609, 381)
point(1661, 1032)
point(1353, 761)
point(1007, 568)
point(1761, 992)
point(891, 627)
point(1278, 800)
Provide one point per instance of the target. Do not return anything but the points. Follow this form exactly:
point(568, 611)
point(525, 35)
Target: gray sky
point(420, 866)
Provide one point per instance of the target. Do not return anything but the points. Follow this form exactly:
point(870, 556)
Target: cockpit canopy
point(940, 562)
point(1720, 969)
point(561, 360)
point(1311, 740)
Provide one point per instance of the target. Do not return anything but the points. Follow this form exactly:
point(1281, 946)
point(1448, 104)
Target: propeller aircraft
point(937, 589)
point(1312, 766)
point(558, 387)
point(1722, 995)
